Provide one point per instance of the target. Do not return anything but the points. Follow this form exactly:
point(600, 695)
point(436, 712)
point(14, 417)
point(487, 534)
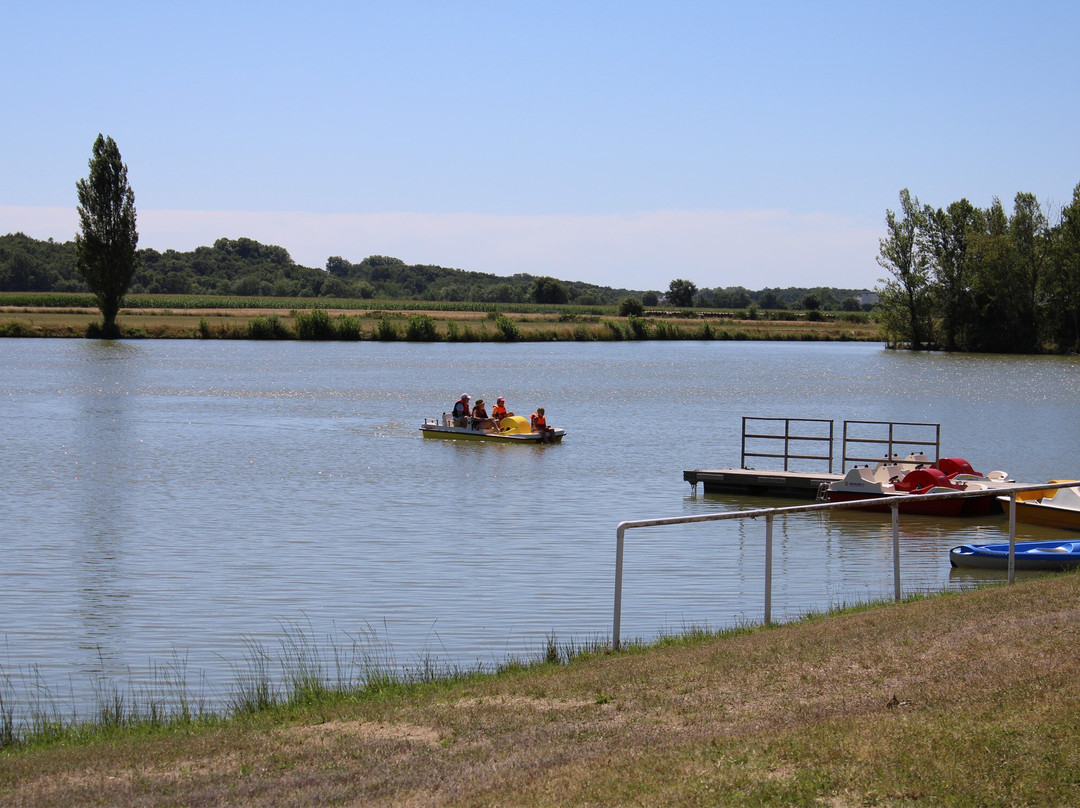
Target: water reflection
point(103, 386)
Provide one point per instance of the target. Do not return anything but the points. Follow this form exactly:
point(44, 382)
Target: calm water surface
point(169, 503)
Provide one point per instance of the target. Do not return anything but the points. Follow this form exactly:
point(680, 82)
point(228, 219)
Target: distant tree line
point(245, 267)
point(968, 279)
point(684, 293)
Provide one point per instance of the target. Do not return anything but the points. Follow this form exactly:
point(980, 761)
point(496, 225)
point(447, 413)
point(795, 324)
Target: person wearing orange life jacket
point(461, 411)
point(498, 412)
point(539, 424)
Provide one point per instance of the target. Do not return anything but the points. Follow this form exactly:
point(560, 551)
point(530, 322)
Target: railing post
point(620, 534)
point(787, 441)
point(768, 568)
point(1012, 536)
point(896, 550)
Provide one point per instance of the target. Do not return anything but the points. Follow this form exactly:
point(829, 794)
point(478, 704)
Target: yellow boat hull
point(1060, 510)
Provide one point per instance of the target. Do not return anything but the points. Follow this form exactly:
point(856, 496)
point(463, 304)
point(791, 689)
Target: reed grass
point(301, 671)
point(965, 699)
point(457, 326)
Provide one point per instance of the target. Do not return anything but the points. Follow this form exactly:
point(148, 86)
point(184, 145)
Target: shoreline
point(879, 703)
point(420, 325)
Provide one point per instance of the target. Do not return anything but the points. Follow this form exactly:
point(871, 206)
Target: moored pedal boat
point(512, 429)
point(896, 478)
point(1058, 508)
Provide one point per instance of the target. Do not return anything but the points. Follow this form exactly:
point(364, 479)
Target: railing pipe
point(769, 513)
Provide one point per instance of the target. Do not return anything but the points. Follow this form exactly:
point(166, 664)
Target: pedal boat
point(513, 429)
point(896, 478)
point(1058, 507)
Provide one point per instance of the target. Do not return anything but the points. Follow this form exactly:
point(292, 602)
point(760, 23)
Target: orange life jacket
point(498, 412)
point(538, 421)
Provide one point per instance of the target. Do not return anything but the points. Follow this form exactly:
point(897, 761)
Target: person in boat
point(461, 411)
point(539, 424)
point(480, 418)
point(498, 412)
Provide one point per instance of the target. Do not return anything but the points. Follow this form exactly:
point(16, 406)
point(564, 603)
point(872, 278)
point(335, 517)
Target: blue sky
point(620, 143)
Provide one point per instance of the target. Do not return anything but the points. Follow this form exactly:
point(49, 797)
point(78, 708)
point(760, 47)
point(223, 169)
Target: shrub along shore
point(185, 317)
point(966, 698)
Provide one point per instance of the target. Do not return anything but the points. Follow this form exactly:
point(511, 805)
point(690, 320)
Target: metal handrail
point(770, 513)
point(889, 444)
point(788, 438)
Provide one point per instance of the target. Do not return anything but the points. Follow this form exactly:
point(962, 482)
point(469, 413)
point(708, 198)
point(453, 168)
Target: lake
point(169, 505)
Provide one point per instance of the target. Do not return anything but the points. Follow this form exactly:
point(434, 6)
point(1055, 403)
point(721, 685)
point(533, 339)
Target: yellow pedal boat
point(1058, 508)
point(513, 429)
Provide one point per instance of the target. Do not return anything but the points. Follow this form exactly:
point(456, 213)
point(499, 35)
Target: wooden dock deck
point(794, 484)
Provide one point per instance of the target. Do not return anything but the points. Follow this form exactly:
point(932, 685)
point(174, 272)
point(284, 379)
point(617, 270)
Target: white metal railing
point(895, 502)
point(916, 435)
point(788, 438)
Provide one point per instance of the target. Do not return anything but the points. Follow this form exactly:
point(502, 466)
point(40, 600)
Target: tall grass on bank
point(85, 300)
point(267, 327)
point(301, 671)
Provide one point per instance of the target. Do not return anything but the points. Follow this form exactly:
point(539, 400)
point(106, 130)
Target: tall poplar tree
point(105, 250)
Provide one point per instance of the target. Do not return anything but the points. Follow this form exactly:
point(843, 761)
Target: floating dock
point(771, 441)
point(793, 484)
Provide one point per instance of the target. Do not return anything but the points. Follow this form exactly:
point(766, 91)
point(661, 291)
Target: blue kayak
point(1030, 555)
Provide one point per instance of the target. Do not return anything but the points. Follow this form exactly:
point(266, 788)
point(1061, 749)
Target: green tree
point(630, 306)
point(1030, 234)
point(338, 267)
point(907, 297)
point(770, 300)
point(994, 325)
point(947, 235)
point(1063, 279)
point(549, 290)
point(105, 250)
point(650, 299)
point(681, 293)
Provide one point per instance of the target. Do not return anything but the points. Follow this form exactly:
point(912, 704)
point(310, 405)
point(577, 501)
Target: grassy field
point(19, 318)
point(962, 699)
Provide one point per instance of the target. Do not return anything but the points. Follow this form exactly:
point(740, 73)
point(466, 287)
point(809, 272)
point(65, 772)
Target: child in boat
point(498, 412)
point(539, 424)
